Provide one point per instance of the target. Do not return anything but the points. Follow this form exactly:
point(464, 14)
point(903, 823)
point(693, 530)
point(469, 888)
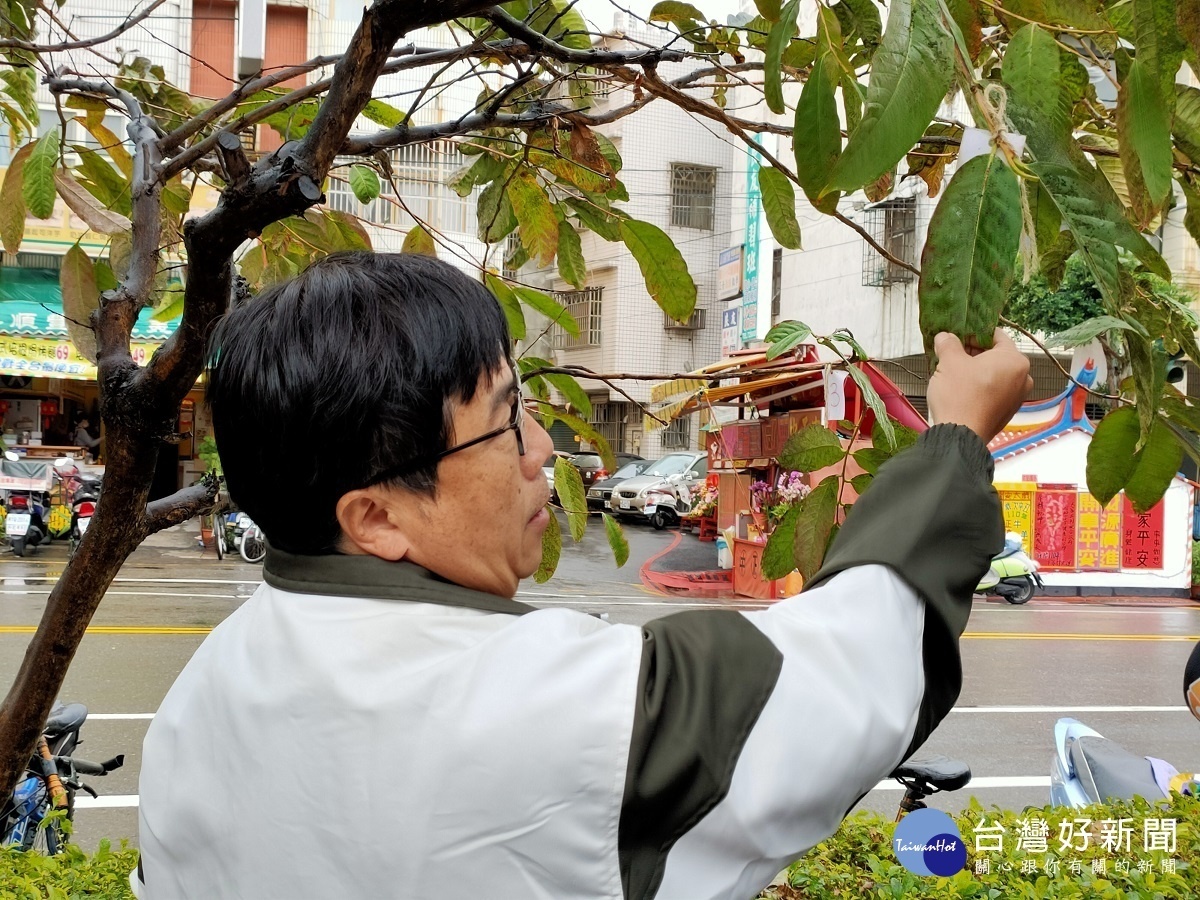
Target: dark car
point(591, 467)
point(600, 492)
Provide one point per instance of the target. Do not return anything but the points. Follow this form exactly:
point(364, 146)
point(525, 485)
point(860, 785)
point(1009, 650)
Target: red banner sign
point(1142, 537)
point(1054, 529)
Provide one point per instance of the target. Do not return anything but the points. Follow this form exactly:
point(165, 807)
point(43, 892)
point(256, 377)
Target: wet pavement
point(1116, 666)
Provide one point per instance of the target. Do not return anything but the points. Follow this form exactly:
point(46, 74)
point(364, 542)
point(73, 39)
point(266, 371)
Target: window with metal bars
point(609, 421)
point(419, 172)
point(677, 434)
point(693, 196)
point(893, 225)
point(586, 308)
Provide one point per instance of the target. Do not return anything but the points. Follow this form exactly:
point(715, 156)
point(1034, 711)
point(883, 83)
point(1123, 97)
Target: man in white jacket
point(382, 719)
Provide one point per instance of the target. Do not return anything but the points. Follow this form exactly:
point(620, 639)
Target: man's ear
point(371, 524)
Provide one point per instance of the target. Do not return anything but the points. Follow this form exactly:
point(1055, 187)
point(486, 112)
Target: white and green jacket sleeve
point(755, 733)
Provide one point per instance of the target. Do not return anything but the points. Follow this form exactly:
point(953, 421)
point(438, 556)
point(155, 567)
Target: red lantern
point(49, 408)
point(4, 407)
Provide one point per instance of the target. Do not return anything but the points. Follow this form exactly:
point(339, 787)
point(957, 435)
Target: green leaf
point(784, 337)
point(568, 483)
point(769, 9)
point(811, 448)
point(38, 179)
point(383, 114)
point(509, 303)
point(171, 309)
point(818, 513)
point(663, 267)
point(616, 540)
point(910, 75)
point(1156, 465)
point(597, 218)
point(1088, 331)
point(350, 233)
point(495, 213)
point(971, 252)
point(1111, 453)
point(884, 423)
point(176, 196)
point(860, 18)
point(551, 550)
point(860, 483)
point(870, 459)
point(418, 240)
point(777, 39)
point(104, 182)
point(80, 298)
point(817, 140)
point(675, 11)
point(779, 204)
point(779, 556)
point(1040, 108)
point(535, 215)
point(548, 307)
point(1144, 126)
point(12, 201)
point(1186, 125)
point(571, 264)
point(902, 437)
point(573, 392)
point(588, 433)
point(364, 182)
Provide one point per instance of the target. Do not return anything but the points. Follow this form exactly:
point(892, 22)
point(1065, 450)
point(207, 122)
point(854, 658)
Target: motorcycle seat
point(65, 718)
point(937, 771)
point(1110, 772)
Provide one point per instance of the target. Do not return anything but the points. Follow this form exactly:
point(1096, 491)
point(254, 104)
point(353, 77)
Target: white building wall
point(1063, 461)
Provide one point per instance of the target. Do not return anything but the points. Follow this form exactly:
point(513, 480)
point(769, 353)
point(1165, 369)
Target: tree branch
point(1008, 323)
point(15, 44)
point(591, 57)
point(181, 506)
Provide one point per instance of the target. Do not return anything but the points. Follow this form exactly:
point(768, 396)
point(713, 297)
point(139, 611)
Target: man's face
point(483, 527)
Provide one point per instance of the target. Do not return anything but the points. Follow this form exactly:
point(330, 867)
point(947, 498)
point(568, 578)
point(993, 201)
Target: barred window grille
point(420, 172)
point(587, 309)
point(693, 196)
point(609, 421)
point(893, 225)
point(677, 435)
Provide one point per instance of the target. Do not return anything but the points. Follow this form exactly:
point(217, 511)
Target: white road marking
point(957, 709)
point(125, 801)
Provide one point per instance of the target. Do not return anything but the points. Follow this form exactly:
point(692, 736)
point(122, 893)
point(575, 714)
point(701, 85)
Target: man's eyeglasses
point(516, 423)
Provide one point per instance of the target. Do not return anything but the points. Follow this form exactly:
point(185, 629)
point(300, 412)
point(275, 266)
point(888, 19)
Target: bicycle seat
point(1110, 772)
point(937, 771)
point(65, 718)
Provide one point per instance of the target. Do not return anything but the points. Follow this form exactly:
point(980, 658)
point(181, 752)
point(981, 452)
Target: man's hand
point(981, 389)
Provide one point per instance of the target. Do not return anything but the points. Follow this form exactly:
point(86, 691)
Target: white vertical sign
point(835, 395)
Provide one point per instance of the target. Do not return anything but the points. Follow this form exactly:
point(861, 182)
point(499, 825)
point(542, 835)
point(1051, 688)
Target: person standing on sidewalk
point(383, 719)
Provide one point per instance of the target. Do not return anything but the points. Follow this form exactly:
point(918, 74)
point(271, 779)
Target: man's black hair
point(346, 370)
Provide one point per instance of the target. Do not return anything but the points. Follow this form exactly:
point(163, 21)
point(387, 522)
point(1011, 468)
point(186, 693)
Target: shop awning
point(33, 330)
point(31, 306)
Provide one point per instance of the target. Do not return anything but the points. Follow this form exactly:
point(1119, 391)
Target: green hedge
point(70, 874)
point(858, 862)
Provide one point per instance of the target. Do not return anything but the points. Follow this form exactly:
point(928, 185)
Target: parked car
point(686, 469)
point(600, 492)
point(548, 471)
point(591, 466)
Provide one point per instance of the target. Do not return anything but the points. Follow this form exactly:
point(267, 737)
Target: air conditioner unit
point(694, 322)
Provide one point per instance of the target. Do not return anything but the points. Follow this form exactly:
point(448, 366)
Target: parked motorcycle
point(668, 502)
point(252, 545)
point(26, 484)
point(1089, 768)
point(81, 493)
point(50, 784)
point(1012, 575)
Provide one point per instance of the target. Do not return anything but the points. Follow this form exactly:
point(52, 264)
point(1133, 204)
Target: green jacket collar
point(341, 575)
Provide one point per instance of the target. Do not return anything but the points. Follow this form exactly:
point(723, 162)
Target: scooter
point(1088, 768)
point(83, 495)
point(1012, 575)
point(668, 502)
point(27, 485)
